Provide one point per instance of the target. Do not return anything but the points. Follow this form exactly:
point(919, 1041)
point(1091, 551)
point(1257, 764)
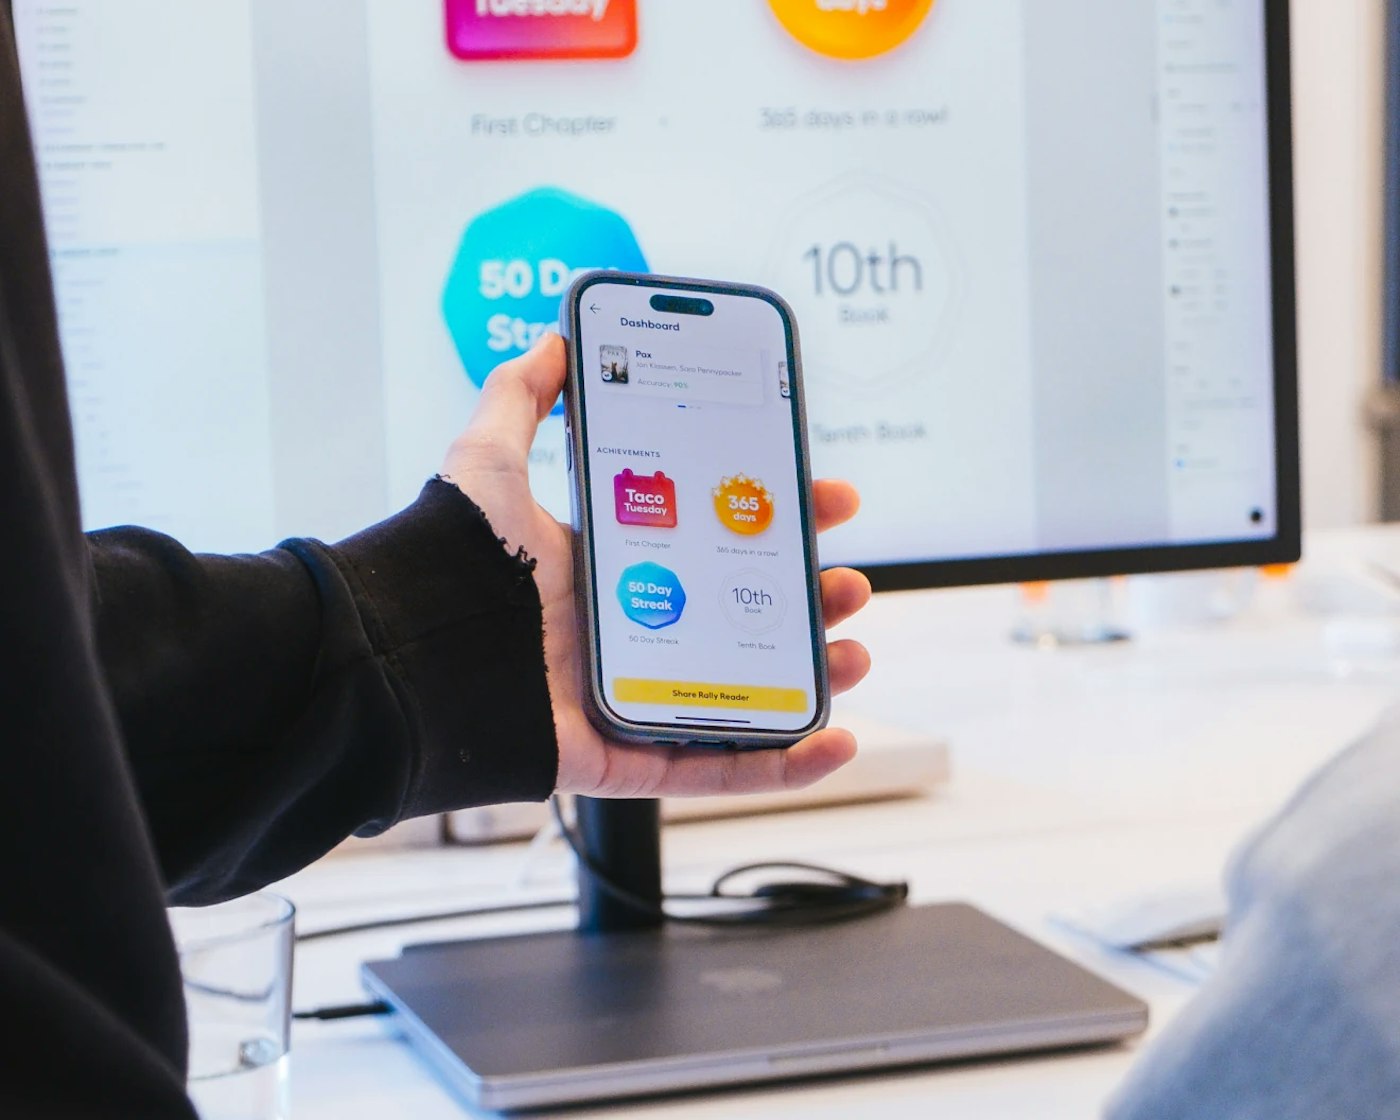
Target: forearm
point(273, 704)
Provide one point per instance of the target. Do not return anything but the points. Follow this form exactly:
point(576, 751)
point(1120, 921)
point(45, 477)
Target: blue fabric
point(1302, 1018)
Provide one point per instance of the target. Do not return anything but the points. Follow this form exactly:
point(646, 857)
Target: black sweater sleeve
point(183, 726)
point(271, 705)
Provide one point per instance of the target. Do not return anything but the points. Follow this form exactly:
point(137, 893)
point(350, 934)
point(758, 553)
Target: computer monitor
point(1040, 254)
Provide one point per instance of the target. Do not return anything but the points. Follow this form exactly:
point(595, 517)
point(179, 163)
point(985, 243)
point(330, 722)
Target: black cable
point(345, 1011)
point(842, 897)
point(442, 916)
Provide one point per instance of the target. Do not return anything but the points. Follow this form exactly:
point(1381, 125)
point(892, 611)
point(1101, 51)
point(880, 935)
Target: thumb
point(518, 395)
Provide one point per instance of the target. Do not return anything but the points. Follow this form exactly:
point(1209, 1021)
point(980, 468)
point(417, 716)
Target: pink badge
point(645, 499)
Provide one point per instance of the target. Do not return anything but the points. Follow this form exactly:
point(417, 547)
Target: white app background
point(699, 404)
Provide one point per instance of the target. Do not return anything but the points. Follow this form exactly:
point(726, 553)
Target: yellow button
point(692, 694)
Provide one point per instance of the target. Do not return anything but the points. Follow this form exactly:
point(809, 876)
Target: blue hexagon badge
point(651, 596)
point(514, 263)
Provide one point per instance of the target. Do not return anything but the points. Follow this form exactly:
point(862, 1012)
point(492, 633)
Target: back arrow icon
point(593, 307)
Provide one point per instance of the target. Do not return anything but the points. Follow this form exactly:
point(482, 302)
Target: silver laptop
point(548, 1019)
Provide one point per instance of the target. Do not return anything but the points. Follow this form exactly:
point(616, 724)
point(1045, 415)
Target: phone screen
point(697, 535)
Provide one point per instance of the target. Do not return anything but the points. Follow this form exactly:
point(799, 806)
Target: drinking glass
point(236, 964)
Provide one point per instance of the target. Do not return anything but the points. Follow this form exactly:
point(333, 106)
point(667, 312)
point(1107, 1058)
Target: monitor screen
point(1039, 253)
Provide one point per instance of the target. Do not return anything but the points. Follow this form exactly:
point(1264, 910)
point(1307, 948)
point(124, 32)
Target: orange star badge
point(743, 505)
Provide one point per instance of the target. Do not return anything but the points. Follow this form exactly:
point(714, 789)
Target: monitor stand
point(626, 1005)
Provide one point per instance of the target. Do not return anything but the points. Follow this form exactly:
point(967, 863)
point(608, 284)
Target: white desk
point(1079, 777)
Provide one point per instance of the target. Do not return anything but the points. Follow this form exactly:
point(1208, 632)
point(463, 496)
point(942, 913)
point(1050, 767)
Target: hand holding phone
point(489, 463)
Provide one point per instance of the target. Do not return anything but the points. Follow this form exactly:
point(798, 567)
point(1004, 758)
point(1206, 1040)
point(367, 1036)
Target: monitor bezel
point(1391, 195)
point(1285, 546)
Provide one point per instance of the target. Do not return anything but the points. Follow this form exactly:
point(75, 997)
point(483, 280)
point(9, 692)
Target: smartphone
point(695, 552)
